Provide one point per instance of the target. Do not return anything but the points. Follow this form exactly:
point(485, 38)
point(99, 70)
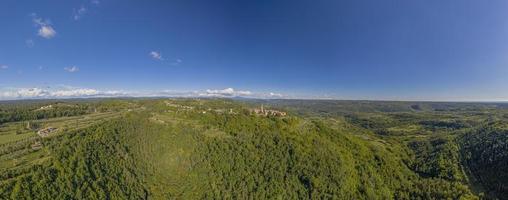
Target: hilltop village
point(267, 112)
point(261, 111)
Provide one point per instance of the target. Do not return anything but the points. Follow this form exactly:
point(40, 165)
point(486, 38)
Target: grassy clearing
point(13, 136)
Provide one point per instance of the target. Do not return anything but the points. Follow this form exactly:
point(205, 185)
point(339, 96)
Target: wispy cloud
point(81, 11)
point(176, 62)
point(78, 13)
point(45, 29)
point(156, 55)
point(71, 69)
point(39, 21)
point(29, 43)
point(4, 66)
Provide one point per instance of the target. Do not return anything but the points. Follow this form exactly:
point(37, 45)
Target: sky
point(433, 50)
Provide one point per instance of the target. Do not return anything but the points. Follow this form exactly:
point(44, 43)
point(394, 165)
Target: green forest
point(252, 149)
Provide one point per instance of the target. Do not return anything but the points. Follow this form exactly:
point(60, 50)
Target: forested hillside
point(226, 149)
point(486, 157)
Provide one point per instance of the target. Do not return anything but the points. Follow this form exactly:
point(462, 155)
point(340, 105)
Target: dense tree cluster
point(486, 156)
point(89, 163)
point(437, 158)
point(24, 114)
point(14, 112)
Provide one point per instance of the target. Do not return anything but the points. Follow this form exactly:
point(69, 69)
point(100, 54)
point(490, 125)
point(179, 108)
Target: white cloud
point(95, 2)
point(228, 92)
point(75, 93)
point(32, 92)
point(114, 93)
point(271, 94)
point(71, 69)
point(156, 55)
point(63, 91)
point(39, 93)
point(244, 93)
point(79, 12)
point(45, 29)
point(4, 66)
point(46, 32)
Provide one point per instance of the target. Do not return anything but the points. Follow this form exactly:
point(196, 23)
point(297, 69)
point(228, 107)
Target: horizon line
point(248, 98)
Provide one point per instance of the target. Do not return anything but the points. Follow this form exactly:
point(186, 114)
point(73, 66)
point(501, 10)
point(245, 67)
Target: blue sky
point(358, 49)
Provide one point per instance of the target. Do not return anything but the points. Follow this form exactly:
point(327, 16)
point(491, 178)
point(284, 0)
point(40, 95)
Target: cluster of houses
point(46, 131)
point(46, 107)
point(268, 112)
point(178, 106)
point(257, 111)
point(182, 107)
